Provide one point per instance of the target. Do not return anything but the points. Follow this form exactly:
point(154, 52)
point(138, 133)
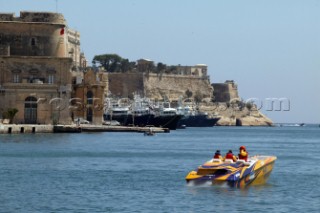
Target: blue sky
point(270, 48)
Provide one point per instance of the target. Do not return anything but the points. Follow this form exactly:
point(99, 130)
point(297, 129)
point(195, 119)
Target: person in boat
point(230, 156)
point(150, 132)
point(243, 154)
point(217, 155)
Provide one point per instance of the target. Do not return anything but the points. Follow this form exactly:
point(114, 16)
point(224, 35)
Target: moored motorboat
point(240, 174)
point(198, 120)
point(141, 113)
point(194, 118)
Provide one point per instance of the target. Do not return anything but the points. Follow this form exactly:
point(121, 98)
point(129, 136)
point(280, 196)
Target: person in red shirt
point(217, 155)
point(230, 156)
point(243, 154)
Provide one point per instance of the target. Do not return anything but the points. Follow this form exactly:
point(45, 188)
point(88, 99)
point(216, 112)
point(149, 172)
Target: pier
point(29, 128)
point(25, 128)
point(92, 128)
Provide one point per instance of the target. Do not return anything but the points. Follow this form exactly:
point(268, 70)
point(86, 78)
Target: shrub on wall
point(10, 114)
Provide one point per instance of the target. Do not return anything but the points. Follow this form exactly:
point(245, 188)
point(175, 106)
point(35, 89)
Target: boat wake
point(197, 184)
point(207, 184)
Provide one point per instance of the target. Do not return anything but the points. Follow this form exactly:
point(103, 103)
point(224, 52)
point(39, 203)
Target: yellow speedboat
point(240, 174)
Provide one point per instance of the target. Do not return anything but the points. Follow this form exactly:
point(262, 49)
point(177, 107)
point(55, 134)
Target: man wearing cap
point(243, 154)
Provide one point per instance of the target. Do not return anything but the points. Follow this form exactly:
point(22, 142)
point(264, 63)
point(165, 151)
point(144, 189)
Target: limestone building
point(199, 70)
point(225, 92)
point(88, 101)
point(39, 60)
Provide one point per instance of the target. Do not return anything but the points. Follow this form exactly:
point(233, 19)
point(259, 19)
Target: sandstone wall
point(225, 92)
point(26, 16)
point(175, 86)
point(125, 84)
point(35, 70)
point(89, 100)
point(158, 86)
point(18, 77)
point(33, 34)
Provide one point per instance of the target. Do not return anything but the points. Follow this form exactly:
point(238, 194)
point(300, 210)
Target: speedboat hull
point(200, 120)
point(236, 174)
point(164, 121)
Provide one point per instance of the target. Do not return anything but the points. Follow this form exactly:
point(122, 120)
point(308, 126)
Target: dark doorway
point(30, 110)
point(89, 103)
point(238, 122)
point(89, 114)
point(89, 98)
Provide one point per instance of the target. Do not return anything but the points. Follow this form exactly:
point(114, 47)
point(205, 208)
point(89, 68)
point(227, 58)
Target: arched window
point(30, 110)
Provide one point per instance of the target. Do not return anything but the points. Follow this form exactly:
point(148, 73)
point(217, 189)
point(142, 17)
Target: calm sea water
point(129, 172)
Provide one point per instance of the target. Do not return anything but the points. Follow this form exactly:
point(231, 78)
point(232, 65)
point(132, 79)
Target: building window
point(89, 97)
point(16, 78)
point(50, 79)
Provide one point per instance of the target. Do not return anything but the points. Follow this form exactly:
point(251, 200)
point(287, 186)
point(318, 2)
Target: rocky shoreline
point(245, 121)
point(234, 116)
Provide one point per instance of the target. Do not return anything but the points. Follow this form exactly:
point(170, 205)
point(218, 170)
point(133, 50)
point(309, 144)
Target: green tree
point(161, 67)
point(151, 67)
point(198, 96)
point(188, 93)
point(249, 105)
point(126, 65)
point(111, 62)
point(173, 68)
point(10, 114)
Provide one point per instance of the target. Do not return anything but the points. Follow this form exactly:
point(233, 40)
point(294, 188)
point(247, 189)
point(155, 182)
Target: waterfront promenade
point(35, 128)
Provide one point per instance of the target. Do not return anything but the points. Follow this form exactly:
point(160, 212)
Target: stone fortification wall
point(125, 84)
point(26, 16)
point(174, 87)
point(33, 34)
point(225, 92)
point(6, 16)
point(158, 87)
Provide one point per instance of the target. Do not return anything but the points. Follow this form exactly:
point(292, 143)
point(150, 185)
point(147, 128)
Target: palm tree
point(10, 113)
